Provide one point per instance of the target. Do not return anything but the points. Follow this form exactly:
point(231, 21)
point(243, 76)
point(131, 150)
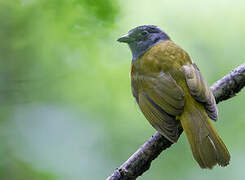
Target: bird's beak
point(125, 39)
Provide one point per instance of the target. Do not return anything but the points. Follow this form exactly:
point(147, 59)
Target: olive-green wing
point(161, 100)
point(200, 90)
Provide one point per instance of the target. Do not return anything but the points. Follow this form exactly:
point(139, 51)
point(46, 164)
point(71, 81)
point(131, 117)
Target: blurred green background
point(66, 106)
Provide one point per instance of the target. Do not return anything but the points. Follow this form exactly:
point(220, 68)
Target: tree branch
point(140, 161)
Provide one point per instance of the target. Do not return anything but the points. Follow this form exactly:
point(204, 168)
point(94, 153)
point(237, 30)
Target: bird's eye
point(144, 33)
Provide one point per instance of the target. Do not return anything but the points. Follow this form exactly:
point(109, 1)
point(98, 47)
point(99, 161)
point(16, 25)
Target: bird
point(173, 95)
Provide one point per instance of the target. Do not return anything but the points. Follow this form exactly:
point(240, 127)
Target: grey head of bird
point(142, 38)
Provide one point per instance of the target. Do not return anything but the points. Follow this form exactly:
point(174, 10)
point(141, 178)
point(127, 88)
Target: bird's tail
point(207, 147)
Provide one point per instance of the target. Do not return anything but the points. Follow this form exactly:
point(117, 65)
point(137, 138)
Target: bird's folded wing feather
point(200, 90)
point(161, 100)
